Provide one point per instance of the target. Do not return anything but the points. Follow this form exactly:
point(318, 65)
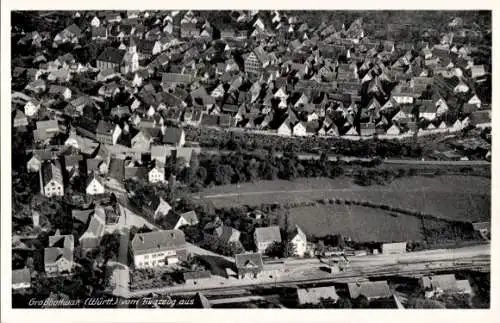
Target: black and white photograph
point(250, 159)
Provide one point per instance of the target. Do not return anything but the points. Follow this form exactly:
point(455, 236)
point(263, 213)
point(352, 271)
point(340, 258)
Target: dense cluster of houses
point(268, 72)
point(272, 73)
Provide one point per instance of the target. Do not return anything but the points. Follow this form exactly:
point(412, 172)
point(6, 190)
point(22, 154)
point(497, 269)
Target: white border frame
point(288, 315)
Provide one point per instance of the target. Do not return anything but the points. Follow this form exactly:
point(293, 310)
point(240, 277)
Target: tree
point(193, 234)
point(344, 302)
point(275, 249)
point(223, 174)
point(109, 245)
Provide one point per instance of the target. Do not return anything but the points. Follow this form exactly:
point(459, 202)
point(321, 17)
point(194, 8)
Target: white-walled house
point(51, 179)
point(158, 248)
point(393, 130)
point(95, 186)
point(285, 129)
point(157, 174)
point(31, 108)
point(457, 126)
point(475, 100)
point(299, 129)
point(185, 219)
point(95, 22)
point(299, 242)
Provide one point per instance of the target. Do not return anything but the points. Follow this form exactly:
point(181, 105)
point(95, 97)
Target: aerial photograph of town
point(250, 159)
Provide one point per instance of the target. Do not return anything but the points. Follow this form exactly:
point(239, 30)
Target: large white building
point(299, 242)
point(51, 180)
point(158, 248)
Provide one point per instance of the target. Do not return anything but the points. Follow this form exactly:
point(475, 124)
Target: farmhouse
point(158, 248)
point(265, 237)
point(58, 257)
point(51, 179)
point(249, 265)
point(299, 242)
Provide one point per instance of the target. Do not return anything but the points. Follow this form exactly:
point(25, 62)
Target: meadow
point(452, 197)
point(361, 224)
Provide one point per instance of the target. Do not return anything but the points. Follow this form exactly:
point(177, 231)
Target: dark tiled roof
point(158, 241)
point(268, 234)
point(105, 128)
point(375, 289)
point(249, 259)
point(172, 136)
point(52, 171)
point(112, 55)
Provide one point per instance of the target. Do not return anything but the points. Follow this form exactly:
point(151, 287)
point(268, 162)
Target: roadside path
point(360, 189)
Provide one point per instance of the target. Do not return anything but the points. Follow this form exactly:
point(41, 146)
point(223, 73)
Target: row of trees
point(239, 167)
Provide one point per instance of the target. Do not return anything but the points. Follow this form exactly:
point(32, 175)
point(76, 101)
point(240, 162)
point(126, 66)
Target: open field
point(362, 224)
point(465, 198)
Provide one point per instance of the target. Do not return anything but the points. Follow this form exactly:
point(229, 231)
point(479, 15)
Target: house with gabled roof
point(95, 230)
point(285, 129)
point(156, 173)
point(177, 221)
point(158, 248)
point(257, 60)
point(300, 129)
point(58, 256)
point(249, 265)
point(371, 290)
point(474, 99)
point(221, 232)
point(106, 133)
point(394, 130)
point(51, 179)
point(157, 206)
point(70, 34)
point(110, 58)
point(351, 131)
point(264, 237)
point(299, 242)
point(143, 139)
point(174, 136)
point(95, 185)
